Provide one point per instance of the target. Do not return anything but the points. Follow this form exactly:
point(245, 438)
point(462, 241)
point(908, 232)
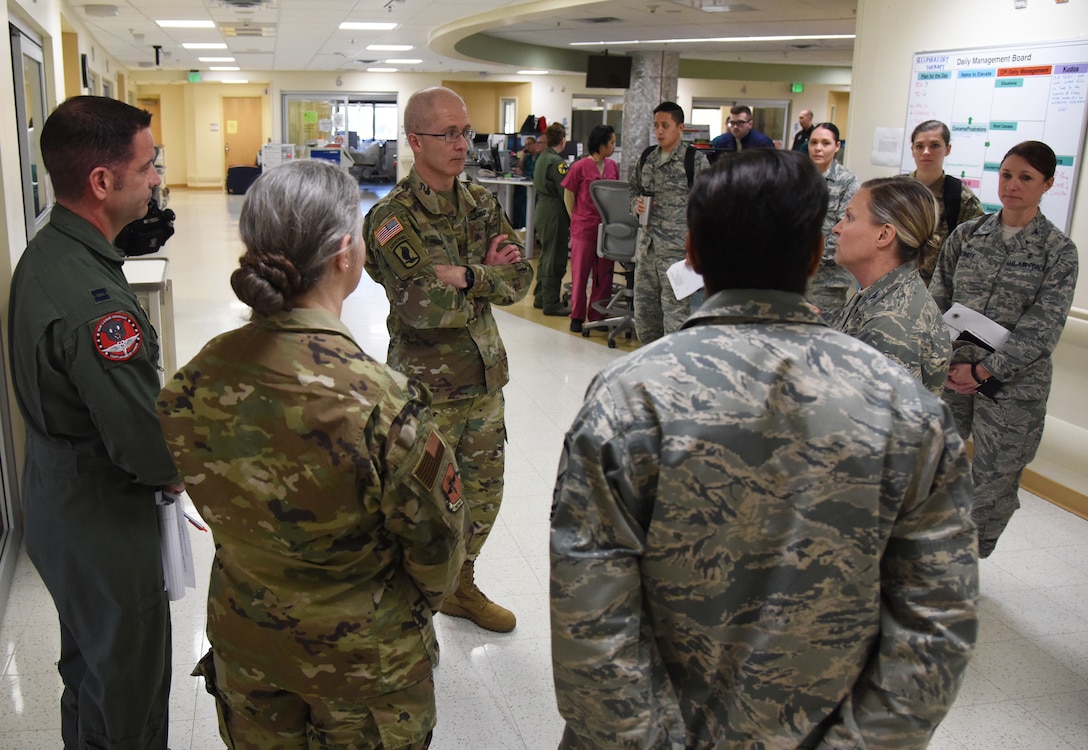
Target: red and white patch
point(118, 337)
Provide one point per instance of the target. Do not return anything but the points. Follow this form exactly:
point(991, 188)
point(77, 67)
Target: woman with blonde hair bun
point(886, 229)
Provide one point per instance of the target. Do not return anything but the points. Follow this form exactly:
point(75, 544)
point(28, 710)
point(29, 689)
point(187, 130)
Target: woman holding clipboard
point(1019, 270)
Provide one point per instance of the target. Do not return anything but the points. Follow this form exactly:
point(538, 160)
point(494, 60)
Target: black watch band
point(470, 278)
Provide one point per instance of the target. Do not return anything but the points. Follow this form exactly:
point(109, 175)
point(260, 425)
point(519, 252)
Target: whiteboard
point(992, 98)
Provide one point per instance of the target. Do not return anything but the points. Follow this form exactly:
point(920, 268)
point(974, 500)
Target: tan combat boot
point(471, 603)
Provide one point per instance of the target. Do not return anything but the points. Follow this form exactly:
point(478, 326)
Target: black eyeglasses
point(451, 136)
point(738, 123)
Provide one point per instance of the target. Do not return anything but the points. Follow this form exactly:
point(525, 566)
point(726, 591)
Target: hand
point(501, 253)
point(173, 489)
point(961, 380)
point(640, 206)
point(451, 275)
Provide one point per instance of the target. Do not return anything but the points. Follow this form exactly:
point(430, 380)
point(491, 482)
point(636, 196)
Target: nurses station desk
point(149, 278)
point(506, 187)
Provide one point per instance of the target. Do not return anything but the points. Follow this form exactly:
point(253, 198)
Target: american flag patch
point(388, 231)
point(429, 463)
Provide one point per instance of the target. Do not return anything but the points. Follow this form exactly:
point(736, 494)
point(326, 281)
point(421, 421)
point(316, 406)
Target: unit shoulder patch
point(118, 337)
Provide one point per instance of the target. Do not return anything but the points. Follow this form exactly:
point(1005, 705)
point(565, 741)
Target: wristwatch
point(470, 278)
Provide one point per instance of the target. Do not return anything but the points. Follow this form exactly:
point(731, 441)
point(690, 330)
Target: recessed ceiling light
point(224, 67)
point(381, 70)
point(186, 24)
point(367, 26)
point(101, 11)
point(389, 47)
point(404, 61)
point(532, 72)
point(216, 59)
point(718, 40)
point(204, 45)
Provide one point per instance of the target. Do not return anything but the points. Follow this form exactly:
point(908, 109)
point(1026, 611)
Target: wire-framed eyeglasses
point(452, 136)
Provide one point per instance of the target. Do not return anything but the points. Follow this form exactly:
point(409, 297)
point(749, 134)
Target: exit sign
point(194, 76)
point(797, 88)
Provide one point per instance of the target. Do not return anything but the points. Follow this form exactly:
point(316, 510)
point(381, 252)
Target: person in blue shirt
point(741, 134)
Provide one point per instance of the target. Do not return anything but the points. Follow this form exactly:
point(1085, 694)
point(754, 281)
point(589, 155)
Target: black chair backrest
point(619, 229)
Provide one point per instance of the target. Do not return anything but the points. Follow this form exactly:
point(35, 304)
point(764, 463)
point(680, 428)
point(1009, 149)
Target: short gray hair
point(419, 110)
point(293, 221)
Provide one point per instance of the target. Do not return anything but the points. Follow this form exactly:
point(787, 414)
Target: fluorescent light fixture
point(381, 70)
point(235, 81)
point(532, 72)
point(186, 24)
point(215, 59)
point(224, 67)
point(367, 26)
point(404, 61)
point(204, 45)
point(720, 39)
point(101, 11)
point(389, 47)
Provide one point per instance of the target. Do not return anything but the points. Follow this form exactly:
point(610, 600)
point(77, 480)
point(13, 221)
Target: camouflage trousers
point(657, 311)
point(1006, 434)
point(254, 715)
point(476, 430)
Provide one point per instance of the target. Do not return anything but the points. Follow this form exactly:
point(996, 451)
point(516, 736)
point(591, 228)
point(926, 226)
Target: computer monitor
point(496, 159)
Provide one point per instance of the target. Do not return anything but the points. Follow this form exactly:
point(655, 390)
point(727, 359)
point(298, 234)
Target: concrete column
point(653, 80)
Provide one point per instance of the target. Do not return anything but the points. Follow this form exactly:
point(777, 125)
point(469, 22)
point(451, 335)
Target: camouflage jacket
point(334, 503)
point(668, 184)
point(841, 186)
point(1025, 285)
point(897, 317)
point(444, 336)
point(970, 208)
point(769, 520)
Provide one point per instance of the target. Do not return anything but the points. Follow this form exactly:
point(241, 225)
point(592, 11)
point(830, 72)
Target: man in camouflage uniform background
point(552, 222)
point(758, 520)
point(332, 498)
point(445, 252)
point(663, 178)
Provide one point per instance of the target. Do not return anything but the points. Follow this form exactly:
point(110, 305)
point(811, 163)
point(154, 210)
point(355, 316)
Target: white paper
point(887, 147)
point(960, 319)
point(178, 570)
point(685, 282)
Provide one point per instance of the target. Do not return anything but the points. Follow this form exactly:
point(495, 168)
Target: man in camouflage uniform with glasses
point(445, 252)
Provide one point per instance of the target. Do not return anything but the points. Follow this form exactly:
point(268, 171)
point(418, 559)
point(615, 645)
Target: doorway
point(242, 139)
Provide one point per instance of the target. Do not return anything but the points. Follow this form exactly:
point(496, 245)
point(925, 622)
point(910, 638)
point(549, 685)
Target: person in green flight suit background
point(552, 222)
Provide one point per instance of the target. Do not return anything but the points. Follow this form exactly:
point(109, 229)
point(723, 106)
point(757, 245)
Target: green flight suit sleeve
point(120, 397)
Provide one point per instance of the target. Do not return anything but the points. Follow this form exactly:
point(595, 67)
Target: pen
point(194, 522)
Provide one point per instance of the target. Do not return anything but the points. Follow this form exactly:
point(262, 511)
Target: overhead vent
point(599, 19)
point(249, 29)
point(716, 6)
point(243, 4)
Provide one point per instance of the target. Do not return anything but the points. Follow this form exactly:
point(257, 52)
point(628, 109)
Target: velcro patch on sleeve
point(388, 231)
point(562, 168)
point(430, 462)
point(117, 337)
point(451, 488)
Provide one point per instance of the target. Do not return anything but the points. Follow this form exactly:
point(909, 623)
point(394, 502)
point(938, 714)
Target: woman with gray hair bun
point(887, 228)
point(334, 502)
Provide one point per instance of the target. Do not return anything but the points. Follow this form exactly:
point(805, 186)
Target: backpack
point(953, 195)
point(689, 164)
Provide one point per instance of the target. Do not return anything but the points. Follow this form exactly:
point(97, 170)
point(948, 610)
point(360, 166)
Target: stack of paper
point(177, 549)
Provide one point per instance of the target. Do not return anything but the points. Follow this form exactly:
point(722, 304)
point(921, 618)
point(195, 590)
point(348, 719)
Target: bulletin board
point(992, 98)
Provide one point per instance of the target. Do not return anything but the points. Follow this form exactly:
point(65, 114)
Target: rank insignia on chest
point(100, 295)
point(118, 337)
point(388, 231)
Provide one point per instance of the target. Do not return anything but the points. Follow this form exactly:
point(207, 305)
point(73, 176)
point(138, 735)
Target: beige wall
point(888, 36)
point(482, 100)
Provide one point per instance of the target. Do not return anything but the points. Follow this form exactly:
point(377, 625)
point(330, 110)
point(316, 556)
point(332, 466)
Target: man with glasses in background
point(741, 134)
point(445, 252)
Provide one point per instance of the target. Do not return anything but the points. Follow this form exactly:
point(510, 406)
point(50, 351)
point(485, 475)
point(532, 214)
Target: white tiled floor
point(1027, 686)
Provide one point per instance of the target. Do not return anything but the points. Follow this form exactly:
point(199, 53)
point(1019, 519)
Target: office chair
point(616, 240)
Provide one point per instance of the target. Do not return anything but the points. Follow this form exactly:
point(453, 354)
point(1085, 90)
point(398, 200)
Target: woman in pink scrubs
point(584, 221)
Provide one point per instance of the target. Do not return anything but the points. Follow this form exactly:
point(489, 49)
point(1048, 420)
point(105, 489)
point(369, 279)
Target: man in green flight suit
point(84, 362)
point(445, 252)
point(552, 222)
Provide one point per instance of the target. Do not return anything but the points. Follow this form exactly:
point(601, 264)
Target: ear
point(343, 258)
point(817, 257)
point(100, 182)
point(886, 236)
point(414, 142)
point(1048, 184)
point(692, 255)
